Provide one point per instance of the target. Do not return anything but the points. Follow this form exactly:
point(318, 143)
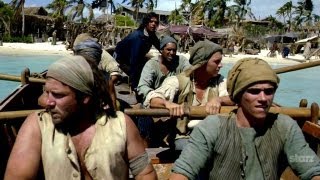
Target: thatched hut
point(39, 24)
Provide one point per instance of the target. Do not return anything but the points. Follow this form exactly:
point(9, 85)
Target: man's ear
point(86, 100)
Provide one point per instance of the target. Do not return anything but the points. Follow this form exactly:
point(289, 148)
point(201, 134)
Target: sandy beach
point(46, 48)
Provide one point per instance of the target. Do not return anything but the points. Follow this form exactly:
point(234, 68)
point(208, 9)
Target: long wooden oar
point(192, 111)
point(297, 67)
point(18, 78)
point(200, 112)
point(278, 71)
point(308, 127)
point(7, 115)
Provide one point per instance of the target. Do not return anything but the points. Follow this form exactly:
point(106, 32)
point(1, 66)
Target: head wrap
point(201, 52)
point(82, 37)
point(85, 44)
point(165, 40)
point(73, 71)
point(248, 71)
point(90, 48)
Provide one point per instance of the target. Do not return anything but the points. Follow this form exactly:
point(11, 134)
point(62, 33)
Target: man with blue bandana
point(86, 45)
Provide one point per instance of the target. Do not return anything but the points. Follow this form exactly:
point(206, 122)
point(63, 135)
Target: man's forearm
point(175, 176)
point(226, 101)
point(157, 103)
point(147, 173)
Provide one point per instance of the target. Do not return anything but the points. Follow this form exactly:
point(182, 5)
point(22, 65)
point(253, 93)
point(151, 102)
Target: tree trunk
point(6, 26)
point(23, 19)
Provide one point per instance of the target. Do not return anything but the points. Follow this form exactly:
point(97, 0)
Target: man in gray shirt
point(250, 142)
point(168, 63)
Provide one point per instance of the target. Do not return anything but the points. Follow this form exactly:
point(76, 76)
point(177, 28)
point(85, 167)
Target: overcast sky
point(260, 8)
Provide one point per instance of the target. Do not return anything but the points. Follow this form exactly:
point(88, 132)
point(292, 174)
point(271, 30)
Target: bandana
point(165, 40)
point(202, 51)
point(82, 37)
point(248, 71)
point(73, 71)
point(89, 47)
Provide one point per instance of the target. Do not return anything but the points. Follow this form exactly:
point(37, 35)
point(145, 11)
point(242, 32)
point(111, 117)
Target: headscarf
point(201, 52)
point(73, 71)
point(84, 44)
point(82, 37)
point(248, 71)
point(165, 40)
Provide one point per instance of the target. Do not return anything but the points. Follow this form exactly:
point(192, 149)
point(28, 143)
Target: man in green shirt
point(250, 142)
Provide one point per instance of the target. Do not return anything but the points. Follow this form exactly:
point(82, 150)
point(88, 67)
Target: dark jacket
point(131, 52)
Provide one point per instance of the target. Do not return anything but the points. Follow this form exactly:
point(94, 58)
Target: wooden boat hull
point(24, 97)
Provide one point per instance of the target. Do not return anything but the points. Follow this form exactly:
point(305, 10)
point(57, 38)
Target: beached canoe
point(24, 100)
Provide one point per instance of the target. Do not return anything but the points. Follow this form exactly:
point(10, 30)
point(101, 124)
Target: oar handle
point(297, 67)
point(9, 77)
point(7, 115)
point(200, 112)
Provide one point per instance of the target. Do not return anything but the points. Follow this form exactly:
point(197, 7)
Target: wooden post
point(303, 103)
point(25, 74)
point(309, 125)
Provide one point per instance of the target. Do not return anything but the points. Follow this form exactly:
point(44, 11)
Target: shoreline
point(45, 48)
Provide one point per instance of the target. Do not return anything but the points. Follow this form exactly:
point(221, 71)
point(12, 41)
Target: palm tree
point(18, 7)
point(77, 9)
point(137, 4)
point(303, 12)
point(286, 12)
point(240, 10)
point(150, 4)
point(308, 7)
point(58, 7)
point(186, 8)
point(198, 12)
point(216, 12)
point(5, 17)
point(103, 5)
point(175, 17)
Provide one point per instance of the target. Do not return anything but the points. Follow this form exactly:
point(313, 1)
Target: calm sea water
point(294, 86)
point(14, 65)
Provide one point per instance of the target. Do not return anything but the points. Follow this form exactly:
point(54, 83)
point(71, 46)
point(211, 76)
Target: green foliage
point(124, 21)
point(5, 10)
point(253, 31)
point(175, 17)
point(23, 39)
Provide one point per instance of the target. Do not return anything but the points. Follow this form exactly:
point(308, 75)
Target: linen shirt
point(109, 64)
point(152, 76)
point(200, 149)
point(170, 87)
point(105, 158)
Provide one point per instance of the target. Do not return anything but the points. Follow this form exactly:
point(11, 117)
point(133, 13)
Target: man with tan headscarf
point(77, 137)
point(250, 142)
point(200, 85)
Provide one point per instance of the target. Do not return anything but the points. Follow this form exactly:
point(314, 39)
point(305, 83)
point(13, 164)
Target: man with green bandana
point(79, 135)
point(199, 85)
point(250, 142)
